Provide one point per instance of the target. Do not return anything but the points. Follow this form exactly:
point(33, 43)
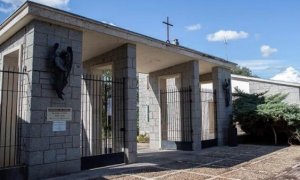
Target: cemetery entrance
point(176, 118)
point(102, 121)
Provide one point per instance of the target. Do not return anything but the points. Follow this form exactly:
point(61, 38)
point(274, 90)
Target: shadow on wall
point(13, 126)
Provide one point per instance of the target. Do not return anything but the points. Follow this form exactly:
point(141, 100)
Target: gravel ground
point(241, 162)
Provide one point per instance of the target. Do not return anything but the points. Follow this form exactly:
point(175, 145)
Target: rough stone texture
point(42, 149)
point(23, 39)
point(143, 104)
point(52, 153)
point(219, 75)
point(123, 60)
point(292, 91)
point(189, 74)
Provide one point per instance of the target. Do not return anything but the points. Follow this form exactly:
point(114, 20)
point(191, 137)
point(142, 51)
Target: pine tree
point(259, 114)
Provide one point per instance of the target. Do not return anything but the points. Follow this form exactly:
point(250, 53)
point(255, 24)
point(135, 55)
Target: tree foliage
point(243, 71)
point(262, 115)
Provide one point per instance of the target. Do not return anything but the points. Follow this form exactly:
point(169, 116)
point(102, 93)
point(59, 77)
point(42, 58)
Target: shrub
point(143, 138)
point(259, 115)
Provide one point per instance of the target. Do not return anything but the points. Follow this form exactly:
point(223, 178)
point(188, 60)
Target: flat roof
point(239, 77)
point(31, 10)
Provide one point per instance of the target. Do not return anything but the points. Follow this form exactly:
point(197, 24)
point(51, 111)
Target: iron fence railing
point(176, 114)
point(12, 99)
point(102, 111)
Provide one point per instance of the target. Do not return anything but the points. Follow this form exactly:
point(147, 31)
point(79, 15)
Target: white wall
point(242, 85)
point(207, 86)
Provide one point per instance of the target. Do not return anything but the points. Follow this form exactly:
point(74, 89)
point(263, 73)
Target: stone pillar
point(224, 112)
point(123, 60)
point(52, 153)
point(189, 76)
point(196, 106)
point(143, 103)
point(125, 67)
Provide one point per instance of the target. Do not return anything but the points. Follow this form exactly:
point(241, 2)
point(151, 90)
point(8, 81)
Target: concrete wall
point(292, 91)
point(257, 85)
point(123, 61)
point(189, 76)
point(241, 85)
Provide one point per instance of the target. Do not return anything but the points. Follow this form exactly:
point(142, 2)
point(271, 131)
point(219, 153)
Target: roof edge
point(14, 14)
point(265, 80)
point(189, 50)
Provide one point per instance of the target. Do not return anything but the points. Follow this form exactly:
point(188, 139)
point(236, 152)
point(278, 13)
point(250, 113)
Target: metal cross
point(168, 29)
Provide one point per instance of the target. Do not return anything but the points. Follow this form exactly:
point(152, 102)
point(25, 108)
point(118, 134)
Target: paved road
point(241, 162)
point(293, 174)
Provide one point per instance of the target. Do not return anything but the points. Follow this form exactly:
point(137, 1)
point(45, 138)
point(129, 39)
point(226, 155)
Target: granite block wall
point(44, 152)
point(224, 112)
point(53, 153)
point(123, 61)
point(189, 76)
point(271, 88)
point(22, 41)
point(143, 104)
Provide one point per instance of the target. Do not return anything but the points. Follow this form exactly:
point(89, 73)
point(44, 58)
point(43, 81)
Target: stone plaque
point(59, 114)
point(59, 126)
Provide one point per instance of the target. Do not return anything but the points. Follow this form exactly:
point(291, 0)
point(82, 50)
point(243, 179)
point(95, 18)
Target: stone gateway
point(54, 59)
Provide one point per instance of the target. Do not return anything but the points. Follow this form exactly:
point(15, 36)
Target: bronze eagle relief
point(227, 91)
point(61, 63)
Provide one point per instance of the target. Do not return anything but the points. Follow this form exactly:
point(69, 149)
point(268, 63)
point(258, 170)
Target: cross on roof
point(168, 29)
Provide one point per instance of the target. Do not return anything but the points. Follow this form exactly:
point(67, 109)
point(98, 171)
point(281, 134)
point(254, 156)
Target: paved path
point(242, 162)
point(291, 174)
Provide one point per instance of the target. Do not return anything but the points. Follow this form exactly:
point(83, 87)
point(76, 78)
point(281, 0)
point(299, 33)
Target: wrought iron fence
point(11, 116)
point(176, 114)
point(102, 126)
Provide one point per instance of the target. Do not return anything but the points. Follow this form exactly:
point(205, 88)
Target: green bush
point(143, 138)
point(259, 115)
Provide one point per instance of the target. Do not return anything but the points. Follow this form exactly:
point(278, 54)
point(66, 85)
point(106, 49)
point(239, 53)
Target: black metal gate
point(209, 115)
point(102, 126)
point(176, 118)
point(12, 98)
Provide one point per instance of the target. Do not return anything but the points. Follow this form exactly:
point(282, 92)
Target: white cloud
point(194, 27)
point(228, 35)
point(267, 51)
point(260, 64)
point(290, 74)
point(8, 6)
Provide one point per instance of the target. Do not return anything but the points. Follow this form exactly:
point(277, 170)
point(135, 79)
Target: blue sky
point(262, 35)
